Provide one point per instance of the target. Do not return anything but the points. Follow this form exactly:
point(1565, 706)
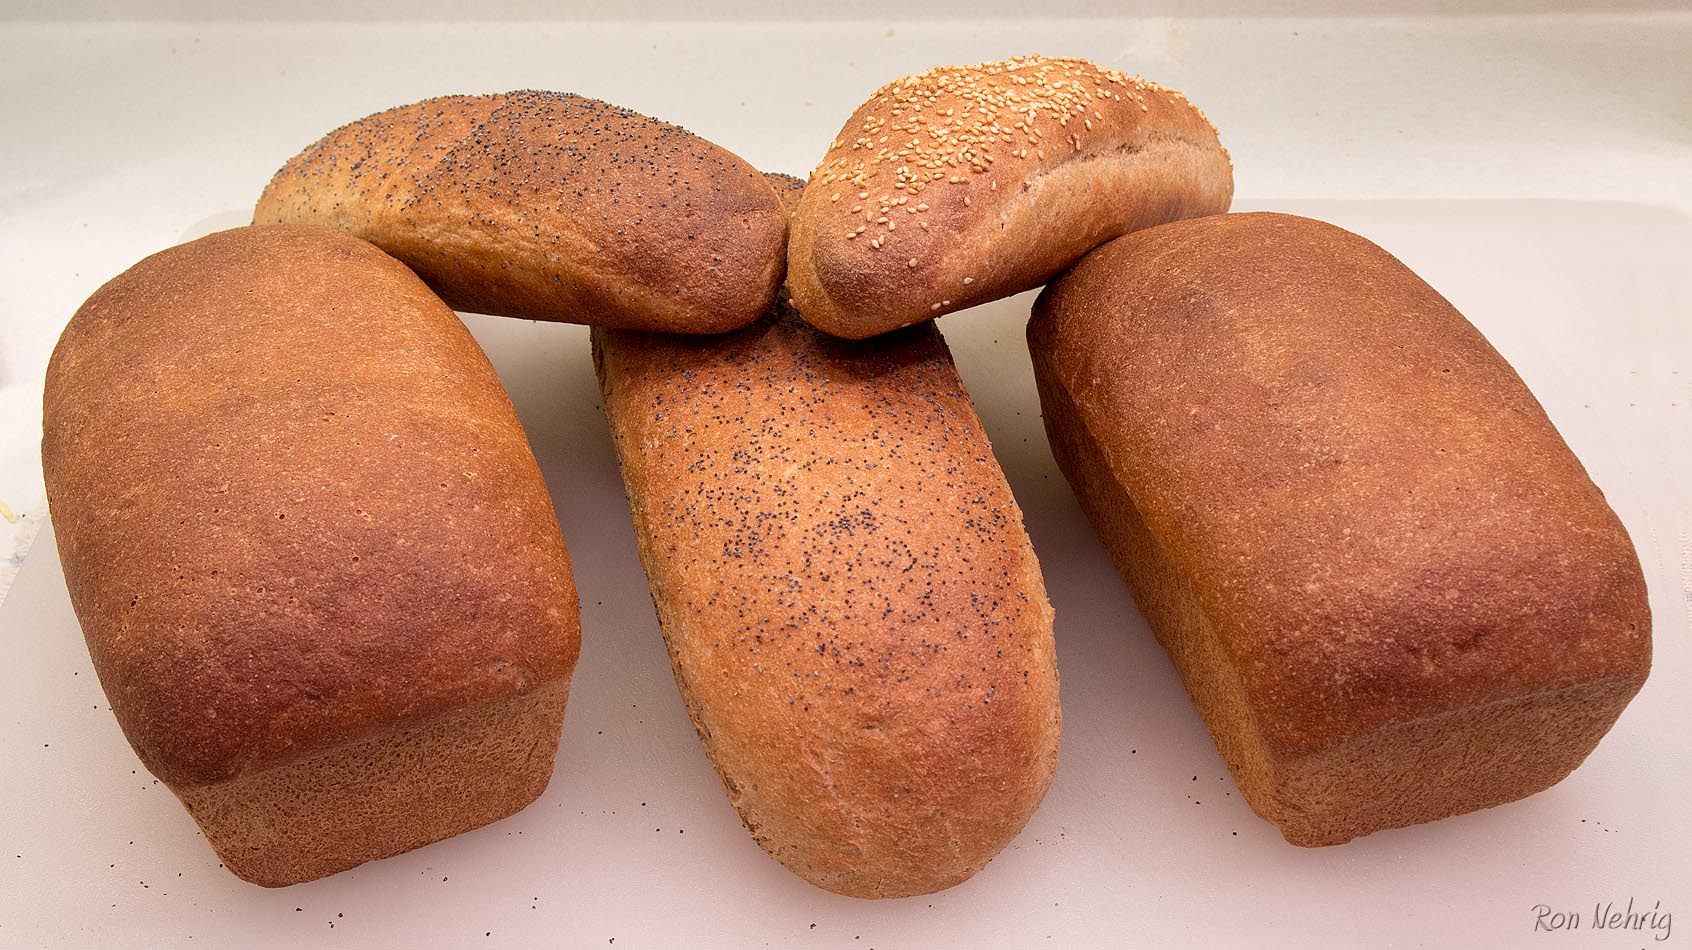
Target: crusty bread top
point(1372, 508)
point(857, 617)
point(549, 206)
point(788, 188)
point(968, 183)
point(294, 503)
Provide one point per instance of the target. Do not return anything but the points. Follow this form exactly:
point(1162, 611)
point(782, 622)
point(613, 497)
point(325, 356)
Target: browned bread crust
point(316, 566)
point(965, 184)
point(549, 206)
point(1391, 589)
point(788, 188)
point(853, 610)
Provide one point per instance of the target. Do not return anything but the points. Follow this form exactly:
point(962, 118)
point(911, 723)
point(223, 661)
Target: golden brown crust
point(964, 184)
point(294, 505)
point(1348, 520)
point(853, 609)
point(383, 793)
point(788, 188)
point(549, 206)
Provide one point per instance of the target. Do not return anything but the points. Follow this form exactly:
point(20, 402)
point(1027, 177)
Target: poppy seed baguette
point(1392, 591)
point(313, 558)
point(854, 613)
point(549, 206)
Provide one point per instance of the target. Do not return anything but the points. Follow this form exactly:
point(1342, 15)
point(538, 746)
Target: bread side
point(854, 612)
point(549, 206)
point(964, 184)
point(1391, 589)
point(300, 524)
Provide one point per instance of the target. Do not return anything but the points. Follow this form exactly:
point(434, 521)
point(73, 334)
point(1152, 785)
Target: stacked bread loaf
point(347, 626)
point(965, 184)
point(551, 207)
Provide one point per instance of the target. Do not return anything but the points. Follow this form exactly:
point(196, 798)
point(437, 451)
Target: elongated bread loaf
point(549, 206)
point(316, 566)
point(965, 184)
point(854, 612)
point(1391, 589)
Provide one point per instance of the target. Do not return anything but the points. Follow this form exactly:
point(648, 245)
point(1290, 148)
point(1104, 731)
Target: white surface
point(124, 140)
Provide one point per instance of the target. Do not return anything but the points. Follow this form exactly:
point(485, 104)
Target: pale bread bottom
point(392, 790)
point(1406, 773)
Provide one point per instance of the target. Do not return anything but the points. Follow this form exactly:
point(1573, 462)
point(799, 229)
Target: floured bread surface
point(854, 611)
point(313, 557)
point(549, 206)
point(964, 184)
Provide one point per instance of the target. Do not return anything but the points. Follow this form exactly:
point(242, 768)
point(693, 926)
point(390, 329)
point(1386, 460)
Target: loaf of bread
point(551, 207)
point(1390, 588)
point(965, 184)
point(317, 569)
point(853, 610)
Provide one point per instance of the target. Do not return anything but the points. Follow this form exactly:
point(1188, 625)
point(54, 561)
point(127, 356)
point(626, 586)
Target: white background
point(1535, 168)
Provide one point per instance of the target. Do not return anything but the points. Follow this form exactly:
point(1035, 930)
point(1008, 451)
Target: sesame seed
point(968, 281)
point(969, 110)
point(912, 263)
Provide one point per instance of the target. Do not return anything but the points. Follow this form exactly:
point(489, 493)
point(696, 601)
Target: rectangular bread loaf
point(1390, 588)
point(317, 569)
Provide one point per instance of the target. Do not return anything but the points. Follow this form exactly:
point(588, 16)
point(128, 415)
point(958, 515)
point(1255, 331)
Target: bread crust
point(965, 184)
point(1390, 587)
point(853, 610)
point(548, 206)
point(296, 510)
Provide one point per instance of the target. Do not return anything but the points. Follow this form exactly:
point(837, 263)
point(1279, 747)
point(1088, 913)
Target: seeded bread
point(965, 184)
point(1390, 588)
point(551, 207)
point(317, 569)
point(853, 610)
